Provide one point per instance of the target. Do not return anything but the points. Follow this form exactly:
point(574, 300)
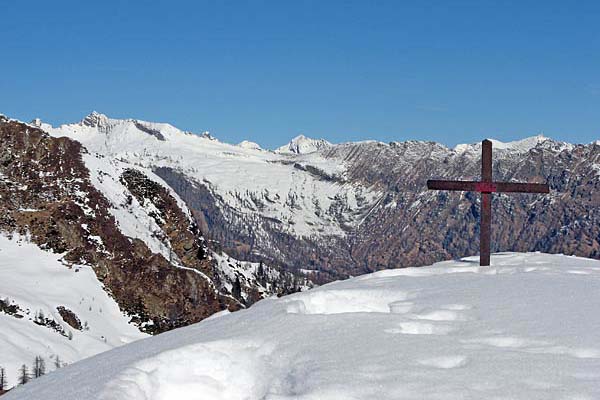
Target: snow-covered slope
point(524, 328)
point(33, 285)
point(140, 219)
point(247, 179)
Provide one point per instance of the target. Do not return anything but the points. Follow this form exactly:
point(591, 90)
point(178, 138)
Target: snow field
point(524, 328)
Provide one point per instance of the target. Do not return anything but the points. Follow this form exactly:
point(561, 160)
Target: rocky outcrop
point(69, 317)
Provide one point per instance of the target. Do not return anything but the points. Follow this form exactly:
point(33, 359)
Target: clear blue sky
point(450, 71)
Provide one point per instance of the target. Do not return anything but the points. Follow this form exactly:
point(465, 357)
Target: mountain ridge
point(292, 147)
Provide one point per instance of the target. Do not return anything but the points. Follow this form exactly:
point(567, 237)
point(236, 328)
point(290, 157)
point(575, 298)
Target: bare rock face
point(46, 194)
point(70, 317)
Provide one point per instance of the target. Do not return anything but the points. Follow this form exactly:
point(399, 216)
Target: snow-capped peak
point(303, 145)
point(95, 120)
point(522, 145)
point(518, 146)
point(246, 144)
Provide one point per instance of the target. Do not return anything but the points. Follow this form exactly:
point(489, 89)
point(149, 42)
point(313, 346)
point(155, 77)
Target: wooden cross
point(486, 187)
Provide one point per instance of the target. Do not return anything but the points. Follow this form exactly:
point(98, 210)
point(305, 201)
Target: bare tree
point(57, 362)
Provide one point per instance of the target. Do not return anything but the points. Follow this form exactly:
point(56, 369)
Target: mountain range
point(337, 210)
point(165, 228)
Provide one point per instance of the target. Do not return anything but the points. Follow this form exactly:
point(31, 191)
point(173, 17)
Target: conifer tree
point(261, 268)
point(57, 362)
point(39, 367)
point(23, 375)
point(3, 379)
point(236, 290)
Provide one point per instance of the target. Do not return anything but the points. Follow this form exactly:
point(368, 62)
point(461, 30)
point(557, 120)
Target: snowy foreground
point(528, 327)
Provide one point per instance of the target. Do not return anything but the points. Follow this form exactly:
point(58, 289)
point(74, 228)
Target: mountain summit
point(95, 120)
point(515, 146)
point(303, 145)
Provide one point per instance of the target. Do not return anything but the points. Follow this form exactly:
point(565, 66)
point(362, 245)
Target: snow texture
point(524, 328)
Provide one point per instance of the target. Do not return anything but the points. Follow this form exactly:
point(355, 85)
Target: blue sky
point(449, 71)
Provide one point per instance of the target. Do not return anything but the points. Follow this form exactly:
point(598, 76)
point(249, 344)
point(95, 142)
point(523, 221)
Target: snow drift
point(524, 328)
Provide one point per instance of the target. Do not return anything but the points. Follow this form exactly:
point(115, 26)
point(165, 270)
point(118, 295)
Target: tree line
point(26, 374)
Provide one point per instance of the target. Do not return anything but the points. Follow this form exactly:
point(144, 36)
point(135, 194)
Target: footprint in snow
point(445, 362)
point(440, 315)
point(506, 342)
point(421, 328)
point(576, 352)
point(535, 346)
point(578, 272)
point(401, 307)
point(457, 307)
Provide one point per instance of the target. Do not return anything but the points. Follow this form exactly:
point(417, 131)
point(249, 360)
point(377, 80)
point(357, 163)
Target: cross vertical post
point(486, 204)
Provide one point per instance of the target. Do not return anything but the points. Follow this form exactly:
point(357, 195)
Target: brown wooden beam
point(522, 187)
point(474, 186)
point(486, 161)
point(469, 186)
point(485, 234)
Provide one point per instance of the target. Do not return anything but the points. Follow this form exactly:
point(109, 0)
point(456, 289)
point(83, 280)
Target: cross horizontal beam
point(488, 187)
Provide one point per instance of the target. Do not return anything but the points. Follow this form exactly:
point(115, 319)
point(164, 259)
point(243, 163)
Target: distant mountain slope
point(334, 210)
point(524, 328)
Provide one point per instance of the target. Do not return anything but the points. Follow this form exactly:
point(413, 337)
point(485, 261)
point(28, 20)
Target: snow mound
point(303, 145)
point(524, 328)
